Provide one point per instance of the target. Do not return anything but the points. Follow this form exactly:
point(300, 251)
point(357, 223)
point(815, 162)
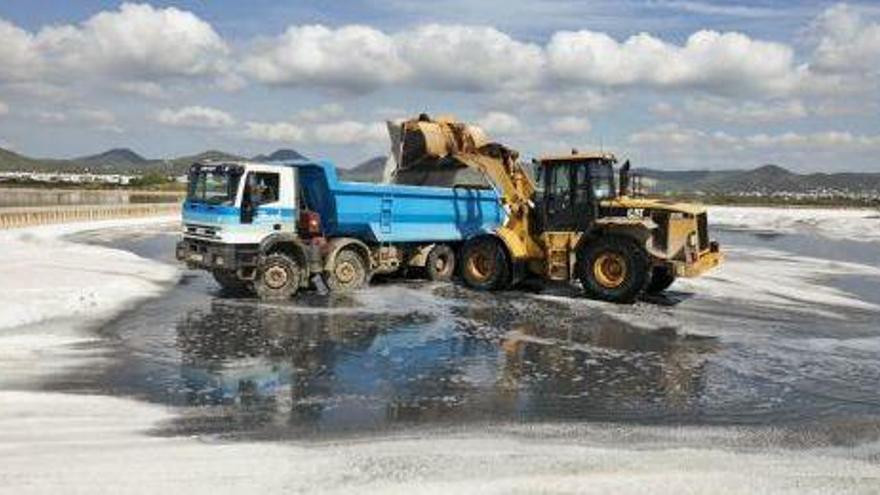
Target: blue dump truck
point(276, 228)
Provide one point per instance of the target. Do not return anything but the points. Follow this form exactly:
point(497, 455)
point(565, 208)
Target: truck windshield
point(214, 185)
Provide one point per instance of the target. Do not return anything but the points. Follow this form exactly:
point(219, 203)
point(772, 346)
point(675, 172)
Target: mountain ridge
point(766, 179)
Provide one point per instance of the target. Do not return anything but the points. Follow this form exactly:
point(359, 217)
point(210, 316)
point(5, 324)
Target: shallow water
point(407, 354)
point(12, 197)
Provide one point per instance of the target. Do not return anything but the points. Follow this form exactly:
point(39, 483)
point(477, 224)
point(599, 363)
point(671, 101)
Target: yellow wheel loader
point(573, 220)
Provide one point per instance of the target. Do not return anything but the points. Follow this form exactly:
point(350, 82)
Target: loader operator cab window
point(602, 179)
point(572, 189)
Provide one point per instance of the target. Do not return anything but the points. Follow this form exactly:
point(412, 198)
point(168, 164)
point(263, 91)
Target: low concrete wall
point(11, 218)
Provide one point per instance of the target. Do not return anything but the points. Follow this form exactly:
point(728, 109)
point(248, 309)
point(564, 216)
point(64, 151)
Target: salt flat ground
point(121, 372)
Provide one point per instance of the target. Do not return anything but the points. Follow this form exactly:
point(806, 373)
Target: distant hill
point(112, 160)
point(282, 154)
point(767, 179)
point(367, 171)
point(11, 161)
point(182, 163)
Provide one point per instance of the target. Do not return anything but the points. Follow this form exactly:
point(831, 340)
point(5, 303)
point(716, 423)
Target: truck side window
point(263, 188)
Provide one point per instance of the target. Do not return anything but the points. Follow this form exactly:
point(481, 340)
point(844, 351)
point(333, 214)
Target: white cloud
point(137, 41)
point(733, 111)
point(349, 132)
point(4, 108)
point(195, 117)
point(274, 132)
point(502, 123)
point(327, 111)
point(50, 117)
point(96, 116)
point(825, 140)
point(340, 133)
point(147, 89)
point(673, 138)
point(91, 118)
point(717, 62)
point(19, 56)
point(704, 8)
point(482, 58)
point(571, 125)
point(354, 58)
point(847, 41)
point(469, 58)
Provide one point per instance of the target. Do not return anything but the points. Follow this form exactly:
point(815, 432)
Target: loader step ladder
point(558, 256)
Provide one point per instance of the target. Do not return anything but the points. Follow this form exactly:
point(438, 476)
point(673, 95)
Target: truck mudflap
point(705, 262)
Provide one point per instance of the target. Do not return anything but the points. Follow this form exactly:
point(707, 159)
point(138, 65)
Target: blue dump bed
point(393, 213)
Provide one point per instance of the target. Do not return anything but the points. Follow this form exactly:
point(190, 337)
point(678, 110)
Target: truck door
point(263, 201)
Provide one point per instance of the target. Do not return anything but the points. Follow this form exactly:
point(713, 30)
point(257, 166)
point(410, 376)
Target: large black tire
point(349, 272)
point(613, 268)
point(278, 277)
point(440, 264)
point(230, 283)
point(661, 278)
point(485, 264)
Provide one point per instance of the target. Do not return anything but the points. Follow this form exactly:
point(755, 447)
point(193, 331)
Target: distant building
point(68, 178)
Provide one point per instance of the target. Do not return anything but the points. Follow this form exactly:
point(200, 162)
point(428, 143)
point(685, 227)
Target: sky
point(675, 84)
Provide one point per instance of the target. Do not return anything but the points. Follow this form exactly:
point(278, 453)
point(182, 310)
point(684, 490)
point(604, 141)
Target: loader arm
point(515, 190)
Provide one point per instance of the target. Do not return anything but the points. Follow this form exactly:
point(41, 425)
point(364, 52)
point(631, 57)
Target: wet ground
point(406, 355)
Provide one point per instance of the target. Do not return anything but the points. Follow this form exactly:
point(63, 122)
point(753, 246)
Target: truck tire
point(440, 263)
point(278, 277)
point(661, 278)
point(484, 264)
point(613, 269)
point(349, 272)
point(230, 283)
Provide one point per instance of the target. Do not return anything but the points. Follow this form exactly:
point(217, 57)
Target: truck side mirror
point(247, 206)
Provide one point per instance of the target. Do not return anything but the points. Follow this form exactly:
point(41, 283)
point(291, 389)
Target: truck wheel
point(229, 282)
point(349, 272)
point(440, 263)
point(484, 264)
point(278, 277)
point(661, 278)
point(614, 269)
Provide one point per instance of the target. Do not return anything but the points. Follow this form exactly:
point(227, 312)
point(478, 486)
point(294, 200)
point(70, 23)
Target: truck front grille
point(703, 230)
point(201, 231)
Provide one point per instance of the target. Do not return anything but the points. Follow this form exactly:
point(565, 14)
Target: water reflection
point(294, 369)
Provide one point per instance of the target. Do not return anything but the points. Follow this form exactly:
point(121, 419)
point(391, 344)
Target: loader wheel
point(278, 277)
point(349, 272)
point(440, 264)
point(230, 283)
point(661, 278)
point(484, 264)
point(613, 269)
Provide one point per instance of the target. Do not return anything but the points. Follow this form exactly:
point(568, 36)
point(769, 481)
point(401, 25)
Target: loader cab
point(573, 185)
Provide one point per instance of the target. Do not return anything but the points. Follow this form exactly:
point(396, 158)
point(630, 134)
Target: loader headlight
point(692, 239)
